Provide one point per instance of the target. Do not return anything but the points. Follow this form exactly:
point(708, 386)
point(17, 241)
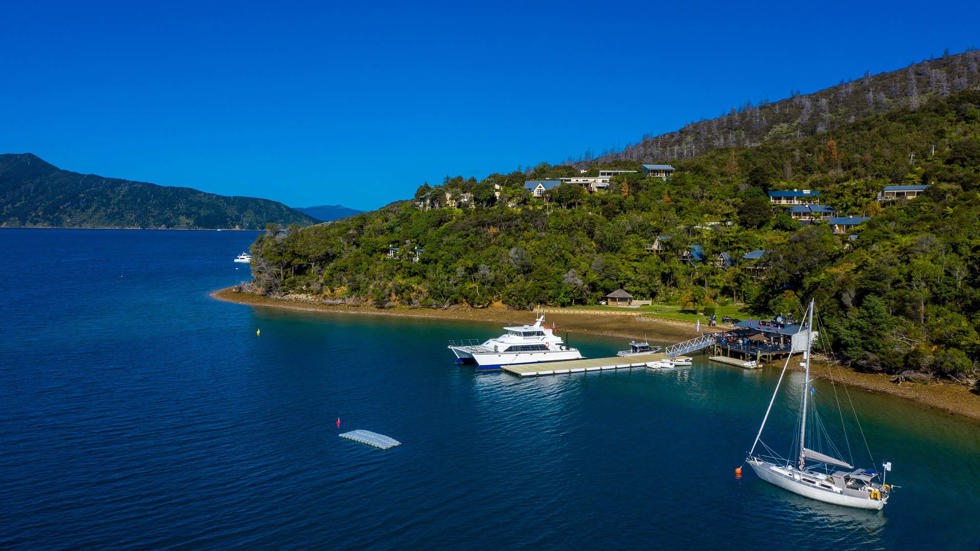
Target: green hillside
point(896, 292)
point(34, 193)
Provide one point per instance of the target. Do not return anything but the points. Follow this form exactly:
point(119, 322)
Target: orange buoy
point(338, 422)
point(738, 472)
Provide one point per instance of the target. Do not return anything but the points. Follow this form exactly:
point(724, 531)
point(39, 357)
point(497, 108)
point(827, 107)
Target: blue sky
point(359, 103)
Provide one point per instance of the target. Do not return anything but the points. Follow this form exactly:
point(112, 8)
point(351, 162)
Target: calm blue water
point(138, 412)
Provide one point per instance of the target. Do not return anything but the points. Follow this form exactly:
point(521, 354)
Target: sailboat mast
point(806, 383)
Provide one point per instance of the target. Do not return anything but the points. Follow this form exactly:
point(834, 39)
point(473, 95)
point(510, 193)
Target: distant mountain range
point(328, 213)
point(34, 193)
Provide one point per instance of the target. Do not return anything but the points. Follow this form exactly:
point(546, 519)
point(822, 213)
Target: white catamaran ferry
point(521, 344)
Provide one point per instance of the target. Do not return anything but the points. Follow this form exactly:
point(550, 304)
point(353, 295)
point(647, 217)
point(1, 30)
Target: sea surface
point(138, 412)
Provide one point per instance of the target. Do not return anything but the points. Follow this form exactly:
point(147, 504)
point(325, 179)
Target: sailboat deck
point(582, 366)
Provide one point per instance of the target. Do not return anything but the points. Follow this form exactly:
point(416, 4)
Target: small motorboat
point(638, 348)
point(661, 365)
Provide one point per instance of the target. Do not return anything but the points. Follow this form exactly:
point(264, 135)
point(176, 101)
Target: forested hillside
point(807, 115)
point(899, 291)
point(36, 194)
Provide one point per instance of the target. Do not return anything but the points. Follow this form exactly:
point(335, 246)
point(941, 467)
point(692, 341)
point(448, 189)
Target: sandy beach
point(950, 398)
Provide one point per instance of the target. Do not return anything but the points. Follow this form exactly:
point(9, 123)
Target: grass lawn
point(674, 312)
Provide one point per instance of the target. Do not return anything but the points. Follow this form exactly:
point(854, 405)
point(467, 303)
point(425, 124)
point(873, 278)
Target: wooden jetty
point(371, 438)
point(582, 366)
point(746, 364)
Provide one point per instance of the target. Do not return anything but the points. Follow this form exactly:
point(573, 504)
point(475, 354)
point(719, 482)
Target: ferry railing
point(465, 342)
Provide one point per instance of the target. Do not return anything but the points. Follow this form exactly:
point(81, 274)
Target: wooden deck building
point(760, 340)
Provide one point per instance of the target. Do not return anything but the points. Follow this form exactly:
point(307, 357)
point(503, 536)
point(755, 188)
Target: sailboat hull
point(796, 481)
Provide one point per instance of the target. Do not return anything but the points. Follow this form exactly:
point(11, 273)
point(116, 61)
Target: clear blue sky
point(359, 103)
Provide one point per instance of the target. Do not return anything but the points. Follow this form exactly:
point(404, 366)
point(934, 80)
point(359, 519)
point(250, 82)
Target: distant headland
point(37, 194)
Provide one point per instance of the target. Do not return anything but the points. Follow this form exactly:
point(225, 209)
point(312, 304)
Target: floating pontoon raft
point(371, 439)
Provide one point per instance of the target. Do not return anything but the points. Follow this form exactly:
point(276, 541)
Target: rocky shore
point(950, 398)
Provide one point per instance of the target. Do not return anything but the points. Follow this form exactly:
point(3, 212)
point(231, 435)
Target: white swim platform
point(371, 438)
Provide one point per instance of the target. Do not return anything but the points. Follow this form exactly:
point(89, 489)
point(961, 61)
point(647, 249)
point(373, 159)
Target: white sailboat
point(819, 475)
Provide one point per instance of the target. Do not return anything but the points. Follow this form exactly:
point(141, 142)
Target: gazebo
point(619, 297)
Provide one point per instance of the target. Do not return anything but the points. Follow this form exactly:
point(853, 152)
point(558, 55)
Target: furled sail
point(823, 458)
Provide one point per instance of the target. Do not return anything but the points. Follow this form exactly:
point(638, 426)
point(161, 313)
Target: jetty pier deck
point(745, 364)
point(586, 365)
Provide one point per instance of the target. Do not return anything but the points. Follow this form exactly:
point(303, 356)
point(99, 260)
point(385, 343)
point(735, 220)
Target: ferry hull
point(493, 361)
point(785, 479)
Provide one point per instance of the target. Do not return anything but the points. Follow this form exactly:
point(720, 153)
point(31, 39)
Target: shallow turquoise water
point(139, 412)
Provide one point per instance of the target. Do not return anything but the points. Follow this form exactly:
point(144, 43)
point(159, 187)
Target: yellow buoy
point(258, 332)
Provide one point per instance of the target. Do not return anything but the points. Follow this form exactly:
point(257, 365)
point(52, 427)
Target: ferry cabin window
point(527, 348)
point(526, 334)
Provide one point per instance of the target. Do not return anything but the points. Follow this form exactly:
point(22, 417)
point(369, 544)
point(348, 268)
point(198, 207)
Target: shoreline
point(949, 398)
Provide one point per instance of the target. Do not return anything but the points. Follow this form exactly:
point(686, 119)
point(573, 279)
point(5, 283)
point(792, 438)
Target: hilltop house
point(891, 193)
point(658, 171)
point(610, 173)
point(794, 197)
point(591, 183)
point(538, 187)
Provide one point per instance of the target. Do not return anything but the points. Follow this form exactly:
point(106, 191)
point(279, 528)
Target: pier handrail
point(691, 345)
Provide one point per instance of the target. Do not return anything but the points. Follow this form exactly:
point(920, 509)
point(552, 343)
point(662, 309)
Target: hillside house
point(810, 212)
point(843, 224)
point(611, 173)
point(724, 261)
point(892, 193)
point(591, 183)
point(694, 254)
point(538, 187)
point(658, 171)
point(754, 263)
point(794, 197)
point(659, 244)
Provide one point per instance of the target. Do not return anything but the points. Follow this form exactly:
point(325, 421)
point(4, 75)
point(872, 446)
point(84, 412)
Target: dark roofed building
point(619, 297)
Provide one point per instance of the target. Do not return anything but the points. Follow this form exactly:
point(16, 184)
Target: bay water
point(138, 412)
